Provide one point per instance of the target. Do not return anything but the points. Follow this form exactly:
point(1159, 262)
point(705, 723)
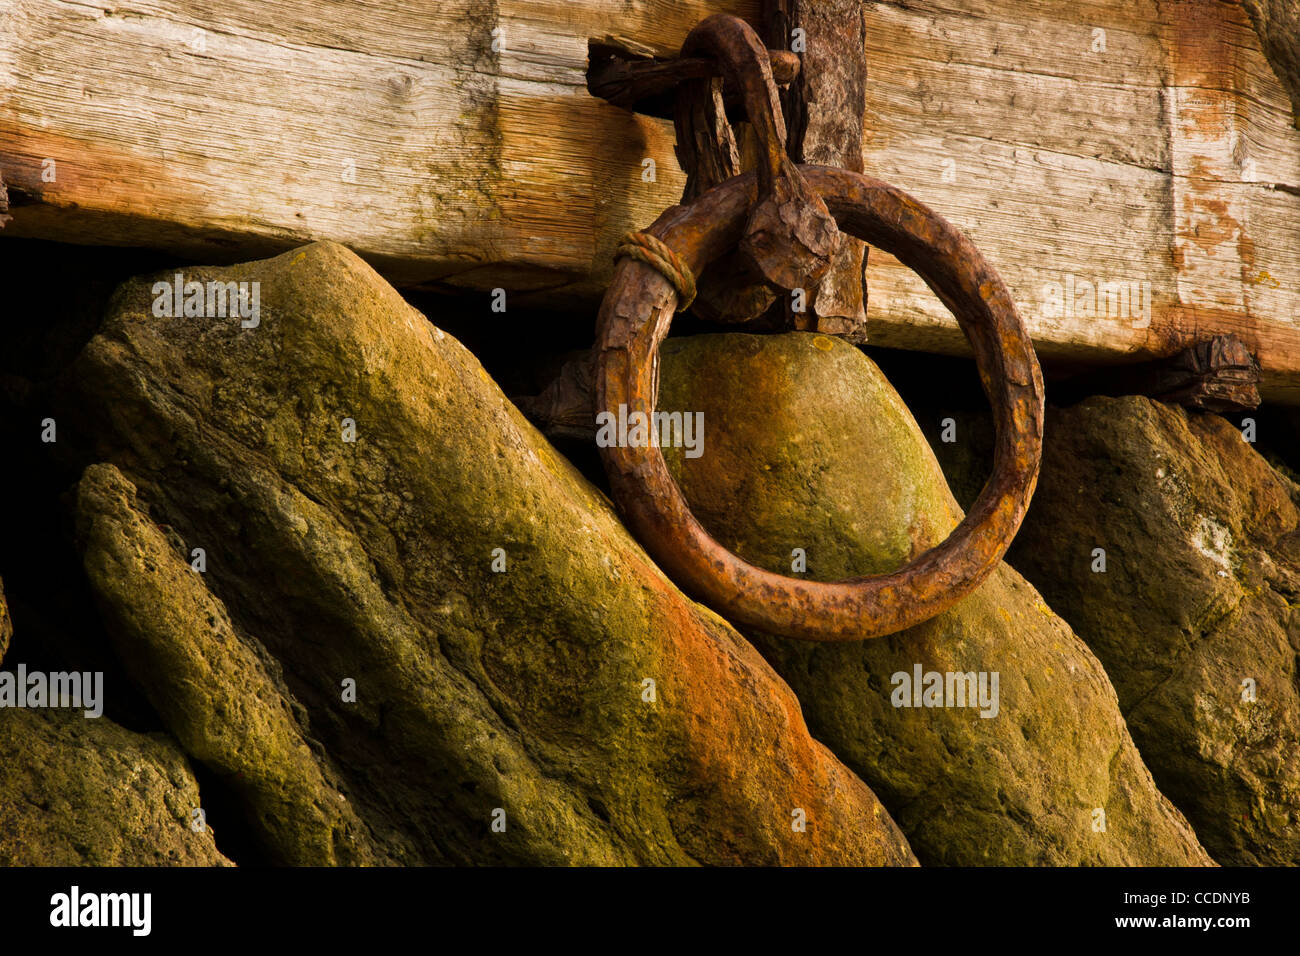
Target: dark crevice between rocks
point(56, 624)
point(936, 387)
point(68, 288)
point(1277, 438)
point(349, 750)
point(229, 817)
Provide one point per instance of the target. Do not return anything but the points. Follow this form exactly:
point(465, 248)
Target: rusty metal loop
point(634, 319)
point(746, 65)
point(790, 236)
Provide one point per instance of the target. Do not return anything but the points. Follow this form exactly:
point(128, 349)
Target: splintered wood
point(1141, 154)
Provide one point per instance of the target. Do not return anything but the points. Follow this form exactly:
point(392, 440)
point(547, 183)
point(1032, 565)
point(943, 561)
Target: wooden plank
point(1159, 150)
point(1114, 142)
point(235, 128)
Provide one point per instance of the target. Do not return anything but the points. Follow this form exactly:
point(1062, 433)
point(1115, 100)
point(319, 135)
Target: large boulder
point(78, 791)
point(404, 576)
point(224, 701)
point(807, 446)
point(1194, 611)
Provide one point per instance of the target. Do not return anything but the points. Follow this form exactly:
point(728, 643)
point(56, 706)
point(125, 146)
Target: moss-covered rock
point(374, 511)
point(77, 791)
point(1197, 610)
point(808, 447)
point(224, 701)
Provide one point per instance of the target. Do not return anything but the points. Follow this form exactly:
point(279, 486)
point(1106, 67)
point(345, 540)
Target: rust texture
point(634, 319)
point(791, 237)
point(706, 144)
point(709, 154)
point(824, 109)
point(1218, 375)
point(647, 85)
point(563, 408)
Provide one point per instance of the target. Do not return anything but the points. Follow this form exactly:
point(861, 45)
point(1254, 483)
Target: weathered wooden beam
point(1094, 147)
point(1112, 143)
point(1278, 24)
point(452, 142)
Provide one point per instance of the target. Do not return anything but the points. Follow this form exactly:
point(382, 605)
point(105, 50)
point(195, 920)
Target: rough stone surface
point(86, 792)
point(807, 446)
point(520, 694)
point(224, 701)
point(1199, 595)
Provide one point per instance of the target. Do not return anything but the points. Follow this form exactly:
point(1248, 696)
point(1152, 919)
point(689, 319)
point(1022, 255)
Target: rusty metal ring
point(634, 319)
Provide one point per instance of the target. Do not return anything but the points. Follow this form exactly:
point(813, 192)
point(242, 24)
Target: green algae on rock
point(1195, 615)
point(529, 688)
point(808, 447)
point(216, 694)
point(87, 792)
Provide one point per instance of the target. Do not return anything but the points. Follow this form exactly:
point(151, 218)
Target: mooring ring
point(634, 319)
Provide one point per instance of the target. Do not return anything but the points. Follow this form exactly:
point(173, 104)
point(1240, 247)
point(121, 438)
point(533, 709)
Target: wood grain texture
point(1099, 141)
point(237, 127)
point(1278, 24)
point(1094, 142)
